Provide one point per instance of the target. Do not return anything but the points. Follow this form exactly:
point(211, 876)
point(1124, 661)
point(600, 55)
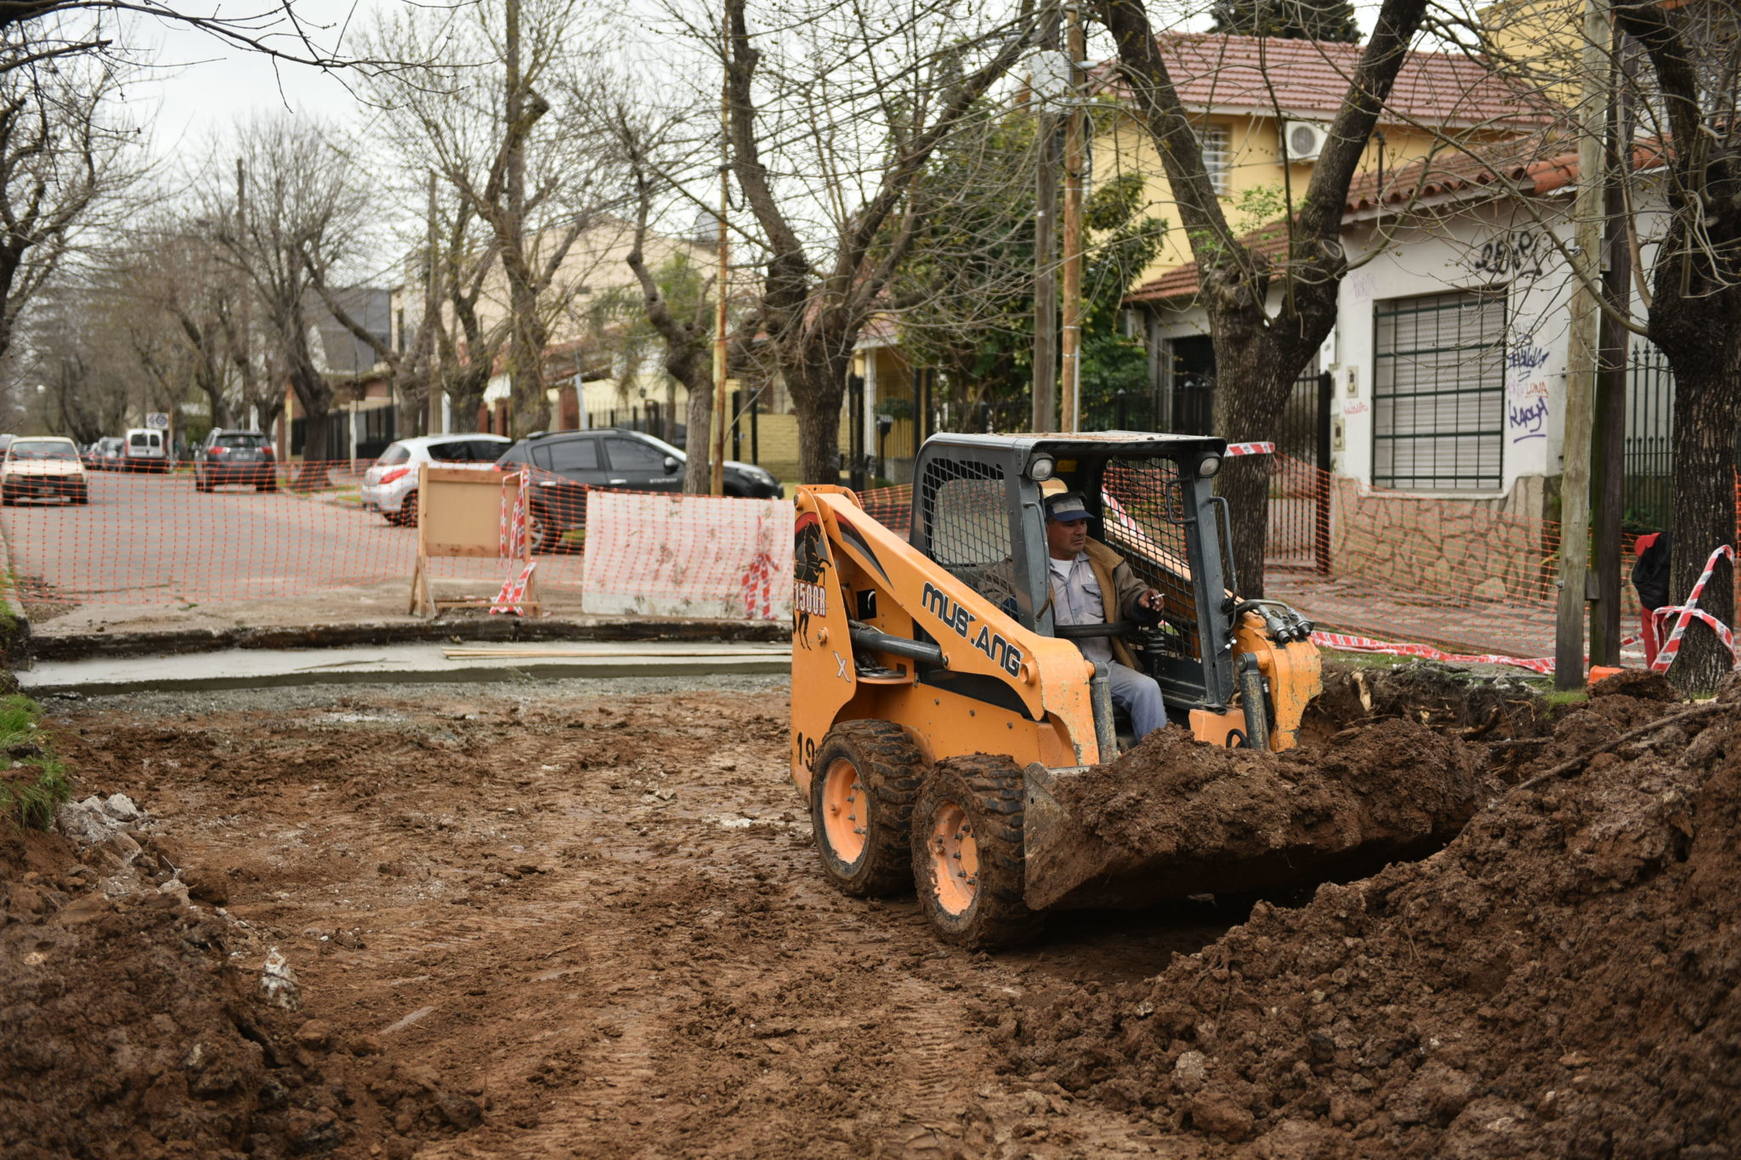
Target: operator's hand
point(1150, 600)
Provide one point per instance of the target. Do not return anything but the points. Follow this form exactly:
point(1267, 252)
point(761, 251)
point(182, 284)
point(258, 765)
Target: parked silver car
point(390, 485)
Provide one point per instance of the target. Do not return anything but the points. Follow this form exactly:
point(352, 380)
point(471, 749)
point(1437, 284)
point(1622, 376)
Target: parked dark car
point(565, 463)
point(235, 457)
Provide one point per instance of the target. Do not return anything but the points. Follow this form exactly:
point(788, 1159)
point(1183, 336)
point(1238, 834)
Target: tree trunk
point(465, 393)
point(314, 395)
point(1707, 400)
point(697, 441)
point(1251, 390)
point(531, 406)
point(817, 395)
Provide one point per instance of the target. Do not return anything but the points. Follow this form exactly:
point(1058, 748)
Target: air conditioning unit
point(1304, 140)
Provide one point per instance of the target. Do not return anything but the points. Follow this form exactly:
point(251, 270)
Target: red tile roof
point(1308, 79)
point(1535, 167)
point(1270, 241)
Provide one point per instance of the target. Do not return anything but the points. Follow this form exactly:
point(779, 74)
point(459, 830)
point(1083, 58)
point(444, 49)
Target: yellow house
point(1263, 108)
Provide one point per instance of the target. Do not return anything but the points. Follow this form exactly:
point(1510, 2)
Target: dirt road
point(593, 909)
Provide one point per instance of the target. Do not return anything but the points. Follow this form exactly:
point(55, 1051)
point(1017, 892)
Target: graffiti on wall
point(1518, 253)
point(1526, 390)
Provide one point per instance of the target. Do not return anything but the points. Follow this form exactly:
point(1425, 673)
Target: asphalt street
point(153, 542)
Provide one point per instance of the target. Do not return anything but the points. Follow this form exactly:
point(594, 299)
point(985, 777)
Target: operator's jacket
point(1119, 591)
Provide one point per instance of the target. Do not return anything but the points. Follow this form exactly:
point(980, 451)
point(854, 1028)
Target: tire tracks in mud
point(673, 978)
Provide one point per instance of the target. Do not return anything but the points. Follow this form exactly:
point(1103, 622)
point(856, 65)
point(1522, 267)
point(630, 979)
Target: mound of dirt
point(1557, 982)
point(1428, 693)
point(1180, 817)
point(131, 1026)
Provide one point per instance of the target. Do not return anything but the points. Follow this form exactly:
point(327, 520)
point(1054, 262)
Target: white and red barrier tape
point(758, 587)
point(1542, 665)
point(1251, 449)
point(512, 546)
point(1687, 612)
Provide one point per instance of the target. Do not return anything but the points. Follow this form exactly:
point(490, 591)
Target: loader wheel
point(968, 862)
point(861, 802)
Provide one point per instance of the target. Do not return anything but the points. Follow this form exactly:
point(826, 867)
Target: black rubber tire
point(199, 482)
point(889, 767)
point(988, 792)
point(541, 538)
point(81, 496)
point(408, 509)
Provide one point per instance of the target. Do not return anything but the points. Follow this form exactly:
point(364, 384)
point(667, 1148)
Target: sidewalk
point(394, 663)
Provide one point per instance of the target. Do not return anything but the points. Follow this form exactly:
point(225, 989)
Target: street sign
point(157, 419)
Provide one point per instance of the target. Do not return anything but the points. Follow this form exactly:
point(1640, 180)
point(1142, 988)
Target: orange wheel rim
point(954, 859)
point(845, 812)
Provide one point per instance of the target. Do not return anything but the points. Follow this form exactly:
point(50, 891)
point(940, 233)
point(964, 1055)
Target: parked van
point(143, 450)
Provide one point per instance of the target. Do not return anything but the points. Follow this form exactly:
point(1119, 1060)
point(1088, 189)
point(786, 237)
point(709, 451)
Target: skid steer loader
point(936, 704)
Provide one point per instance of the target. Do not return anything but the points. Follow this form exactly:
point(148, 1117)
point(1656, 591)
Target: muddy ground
point(583, 919)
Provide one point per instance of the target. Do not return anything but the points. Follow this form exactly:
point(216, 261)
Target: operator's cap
point(1066, 508)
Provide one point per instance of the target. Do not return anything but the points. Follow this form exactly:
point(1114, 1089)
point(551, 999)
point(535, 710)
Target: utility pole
point(245, 312)
point(525, 352)
point(1070, 348)
point(432, 369)
point(1045, 390)
point(1582, 353)
point(716, 465)
point(1608, 451)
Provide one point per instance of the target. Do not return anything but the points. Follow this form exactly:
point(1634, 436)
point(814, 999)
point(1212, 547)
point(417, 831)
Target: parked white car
point(390, 485)
point(43, 466)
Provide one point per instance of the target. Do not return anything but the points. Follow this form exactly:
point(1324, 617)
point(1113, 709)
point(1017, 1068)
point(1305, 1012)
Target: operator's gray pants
point(1137, 694)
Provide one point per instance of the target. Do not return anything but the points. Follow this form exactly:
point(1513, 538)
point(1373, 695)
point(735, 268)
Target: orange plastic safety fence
point(274, 544)
point(1466, 574)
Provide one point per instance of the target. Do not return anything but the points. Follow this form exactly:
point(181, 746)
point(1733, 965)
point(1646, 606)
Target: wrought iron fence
point(1649, 445)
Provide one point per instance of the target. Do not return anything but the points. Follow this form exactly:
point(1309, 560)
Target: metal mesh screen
point(970, 524)
point(1145, 508)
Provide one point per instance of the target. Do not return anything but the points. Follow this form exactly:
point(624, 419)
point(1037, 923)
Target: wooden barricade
point(475, 514)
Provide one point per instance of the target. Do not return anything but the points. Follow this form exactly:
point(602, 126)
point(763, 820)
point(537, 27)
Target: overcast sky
point(196, 86)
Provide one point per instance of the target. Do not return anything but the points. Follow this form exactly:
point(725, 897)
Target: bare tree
point(75, 349)
point(1259, 353)
point(60, 156)
point(486, 118)
point(34, 32)
point(834, 112)
point(302, 206)
point(170, 275)
point(1694, 294)
point(654, 146)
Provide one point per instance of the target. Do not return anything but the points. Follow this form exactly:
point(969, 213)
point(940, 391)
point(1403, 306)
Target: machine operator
point(1092, 584)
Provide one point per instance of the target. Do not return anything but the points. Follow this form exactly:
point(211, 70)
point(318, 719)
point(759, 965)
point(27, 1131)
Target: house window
point(1439, 392)
point(1217, 158)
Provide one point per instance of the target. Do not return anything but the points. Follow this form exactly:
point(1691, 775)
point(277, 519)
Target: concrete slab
point(409, 663)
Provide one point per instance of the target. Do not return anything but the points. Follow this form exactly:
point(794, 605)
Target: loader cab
point(978, 511)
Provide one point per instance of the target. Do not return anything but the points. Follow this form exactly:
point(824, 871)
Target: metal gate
point(1299, 493)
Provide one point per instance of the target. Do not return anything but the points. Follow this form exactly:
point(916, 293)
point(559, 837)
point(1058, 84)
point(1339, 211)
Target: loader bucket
point(1256, 826)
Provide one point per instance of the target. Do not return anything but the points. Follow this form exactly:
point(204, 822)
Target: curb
point(15, 640)
point(367, 672)
point(496, 629)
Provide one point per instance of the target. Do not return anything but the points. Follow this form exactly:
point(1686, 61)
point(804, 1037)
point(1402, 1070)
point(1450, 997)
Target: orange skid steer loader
point(937, 704)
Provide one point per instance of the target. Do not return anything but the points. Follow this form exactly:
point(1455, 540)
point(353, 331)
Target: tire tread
point(993, 791)
point(891, 768)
